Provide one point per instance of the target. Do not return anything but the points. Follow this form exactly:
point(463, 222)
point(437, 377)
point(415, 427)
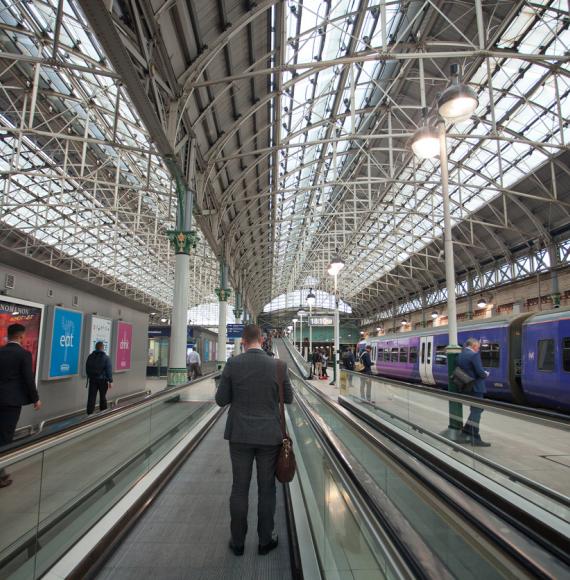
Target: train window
point(403, 355)
point(394, 357)
point(380, 354)
point(413, 354)
point(387, 355)
point(490, 355)
point(546, 355)
point(566, 354)
point(440, 356)
point(423, 352)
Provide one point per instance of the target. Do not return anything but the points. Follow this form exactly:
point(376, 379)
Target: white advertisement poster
point(99, 330)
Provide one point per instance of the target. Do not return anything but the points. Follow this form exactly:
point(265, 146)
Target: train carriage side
point(546, 359)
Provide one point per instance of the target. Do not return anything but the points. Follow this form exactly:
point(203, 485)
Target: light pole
point(457, 103)
point(295, 320)
point(311, 300)
point(335, 267)
point(300, 314)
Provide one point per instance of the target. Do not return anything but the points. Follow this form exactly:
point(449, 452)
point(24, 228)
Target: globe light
point(311, 298)
point(404, 321)
point(164, 320)
point(336, 265)
point(295, 320)
point(481, 303)
point(425, 143)
point(434, 314)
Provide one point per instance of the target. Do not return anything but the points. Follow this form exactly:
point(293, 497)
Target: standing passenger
point(194, 362)
point(470, 361)
point(366, 382)
point(17, 387)
point(100, 376)
point(249, 385)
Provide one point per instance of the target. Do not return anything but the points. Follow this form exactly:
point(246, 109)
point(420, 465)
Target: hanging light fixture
point(481, 303)
point(459, 101)
point(336, 265)
point(434, 314)
point(311, 298)
point(404, 321)
point(425, 143)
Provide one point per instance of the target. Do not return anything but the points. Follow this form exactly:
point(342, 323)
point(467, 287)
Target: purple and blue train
point(527, 356)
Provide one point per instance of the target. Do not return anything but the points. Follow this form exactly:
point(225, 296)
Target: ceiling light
point(295, 320)
point(458, 102)
point(404, 321)
point(425, 143)
point(434, 314)
point(311, 298)
point(481, 303)
point(336, 265)
point(164, 320)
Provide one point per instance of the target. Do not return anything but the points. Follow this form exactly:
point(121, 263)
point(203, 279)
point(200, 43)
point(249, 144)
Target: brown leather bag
point(286, 464)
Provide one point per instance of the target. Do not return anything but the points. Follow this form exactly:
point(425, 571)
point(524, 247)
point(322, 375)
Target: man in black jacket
point(249, 385)
point(99, 373)
point(17, 387)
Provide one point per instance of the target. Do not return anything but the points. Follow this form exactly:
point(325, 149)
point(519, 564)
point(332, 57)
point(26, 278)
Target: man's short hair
point(251, 334)
point(99, 345)
point(368, 347)
point(471, 342)
point(14, 330)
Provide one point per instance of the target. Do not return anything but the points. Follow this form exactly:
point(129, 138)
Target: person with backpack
point(324, 359)
point(99, 376)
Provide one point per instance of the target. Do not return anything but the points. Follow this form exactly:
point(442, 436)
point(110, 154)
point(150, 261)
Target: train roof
point(494, 322)
point(549, 315)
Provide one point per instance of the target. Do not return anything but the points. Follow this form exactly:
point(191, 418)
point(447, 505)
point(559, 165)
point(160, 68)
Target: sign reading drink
point(123, 346)
point(65, 343)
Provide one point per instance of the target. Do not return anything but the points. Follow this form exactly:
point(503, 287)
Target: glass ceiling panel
point(524, 106)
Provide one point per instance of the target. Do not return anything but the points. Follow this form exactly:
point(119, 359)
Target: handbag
point(286, 464)
point(462, 380)
point(358, 366)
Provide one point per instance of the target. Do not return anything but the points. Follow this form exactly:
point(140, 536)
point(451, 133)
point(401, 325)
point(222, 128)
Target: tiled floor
point(185, 533)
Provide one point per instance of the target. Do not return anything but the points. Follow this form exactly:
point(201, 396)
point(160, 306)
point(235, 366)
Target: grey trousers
point(242, 457)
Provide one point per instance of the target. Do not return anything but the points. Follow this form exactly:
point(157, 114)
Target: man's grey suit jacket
point(249, 385)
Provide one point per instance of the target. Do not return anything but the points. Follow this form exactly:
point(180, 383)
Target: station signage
point(321, 321)
point(123, 346)
point(64, 343)
point(234, 330)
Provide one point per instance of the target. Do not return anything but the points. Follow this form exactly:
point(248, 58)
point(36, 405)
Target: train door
point(426, 360)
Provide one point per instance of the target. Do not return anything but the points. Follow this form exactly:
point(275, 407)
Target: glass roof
point(81, 174)
point(324, 138)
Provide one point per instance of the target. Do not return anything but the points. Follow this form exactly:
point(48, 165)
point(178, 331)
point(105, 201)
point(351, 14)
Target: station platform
point(143, 491)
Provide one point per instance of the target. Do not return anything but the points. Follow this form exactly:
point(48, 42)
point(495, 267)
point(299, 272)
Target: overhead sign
point(235, 330)
point(28, 314)
point(123, 345)
point(64, 343)
point(322, 321)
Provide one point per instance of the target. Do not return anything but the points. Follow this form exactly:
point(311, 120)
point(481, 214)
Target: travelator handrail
point(303, 365)
point(22, 450)
point(430, 474)
point(549, 418)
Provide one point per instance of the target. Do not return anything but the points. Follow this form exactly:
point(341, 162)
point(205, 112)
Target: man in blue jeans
point(470, 361)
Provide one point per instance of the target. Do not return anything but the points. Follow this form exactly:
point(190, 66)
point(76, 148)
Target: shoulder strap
point(280, 381)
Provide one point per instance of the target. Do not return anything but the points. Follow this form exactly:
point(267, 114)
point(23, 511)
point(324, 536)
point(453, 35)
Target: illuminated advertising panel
point(30, 315)
point(123, 346)
point(64, 343)
point(99, 330)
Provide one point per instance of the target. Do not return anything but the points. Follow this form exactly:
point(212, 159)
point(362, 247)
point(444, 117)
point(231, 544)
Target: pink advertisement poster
point(123, 346)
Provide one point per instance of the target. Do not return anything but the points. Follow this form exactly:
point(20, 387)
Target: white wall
point(61, 396)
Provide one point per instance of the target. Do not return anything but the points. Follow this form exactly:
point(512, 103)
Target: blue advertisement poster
point(65, 343)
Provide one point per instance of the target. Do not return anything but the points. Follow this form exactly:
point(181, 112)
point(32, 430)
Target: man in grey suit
point(249, 385)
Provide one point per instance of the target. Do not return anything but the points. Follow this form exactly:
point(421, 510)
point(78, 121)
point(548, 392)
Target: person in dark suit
point(99, 373)
point(470, 361)
point(17, 387)
point(249, 385)
point(366, 382)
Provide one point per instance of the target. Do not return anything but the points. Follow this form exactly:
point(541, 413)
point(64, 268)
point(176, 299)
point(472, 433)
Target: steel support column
point(223, 293)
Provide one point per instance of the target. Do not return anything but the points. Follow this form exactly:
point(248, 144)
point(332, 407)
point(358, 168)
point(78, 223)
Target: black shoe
point(478, 442)
point(268, 547)
point(237, 550)
point(5, 481)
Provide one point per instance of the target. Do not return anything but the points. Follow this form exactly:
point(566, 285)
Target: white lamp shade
point(434, 314)
point(336, 266)
point(481, 303)
point(301, 313)
point(295, 320)
point(457, 103)
point(425, 143)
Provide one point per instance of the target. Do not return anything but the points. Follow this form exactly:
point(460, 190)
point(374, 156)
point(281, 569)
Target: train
point(527, 356)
